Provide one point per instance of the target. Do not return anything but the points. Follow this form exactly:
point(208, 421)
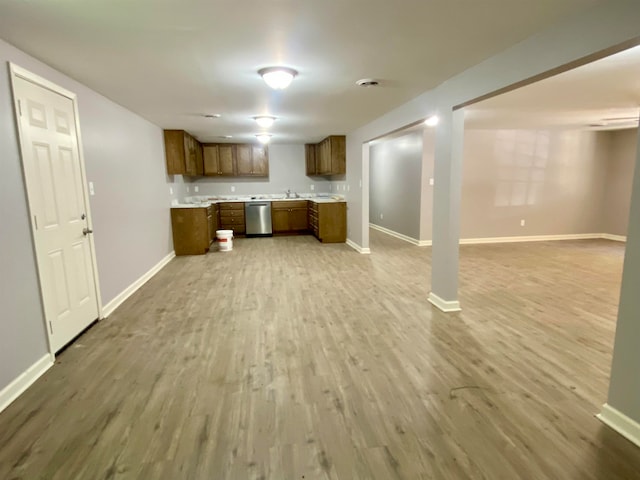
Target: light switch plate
point(522, 222)
point(233, 189)
point(170, 190)
point(196, 189)
point(348, 188)
point(313, 187)
point(91, 190)
point(431, 181)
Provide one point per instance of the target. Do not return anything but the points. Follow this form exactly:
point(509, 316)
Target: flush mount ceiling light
point(265, 121)
point(263, 137)
point(277, 78)
point(432, 121)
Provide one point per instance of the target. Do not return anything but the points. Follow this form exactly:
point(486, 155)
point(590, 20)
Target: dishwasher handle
point(257, 204)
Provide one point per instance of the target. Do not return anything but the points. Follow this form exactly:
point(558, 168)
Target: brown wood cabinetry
point(232, 217)
point(193, 230)
point(252, 161)
point(219, 160)
point(236, 160)
point(289, 217)
point(328, 221)
point(327, 157)
point(183, 153)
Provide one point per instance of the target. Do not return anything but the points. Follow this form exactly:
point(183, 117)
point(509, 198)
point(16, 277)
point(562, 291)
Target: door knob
point(86, 231)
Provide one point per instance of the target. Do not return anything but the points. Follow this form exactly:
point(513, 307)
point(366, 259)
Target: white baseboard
point(357, 247)
point(444, 305)
point(531, 238)
point(12, 391)
point(618, 421)
point(401, 236)
point(615, 238)
point(109, 308)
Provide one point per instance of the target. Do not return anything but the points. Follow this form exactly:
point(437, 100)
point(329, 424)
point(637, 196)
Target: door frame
point(18, 72)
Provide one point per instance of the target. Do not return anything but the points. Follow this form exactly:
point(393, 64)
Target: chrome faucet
point(288, 193)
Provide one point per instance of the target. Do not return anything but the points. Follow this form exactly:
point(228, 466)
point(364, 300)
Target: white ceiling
point(172, 61)
point(604, 93)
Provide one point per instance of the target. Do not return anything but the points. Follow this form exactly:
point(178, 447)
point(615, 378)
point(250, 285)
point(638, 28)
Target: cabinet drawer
point(231, 220)
point(232, 213)
point(288, 205)
point(232, 206)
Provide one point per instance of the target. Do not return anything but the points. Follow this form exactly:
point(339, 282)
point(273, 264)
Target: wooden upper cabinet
point(211, 161)
point(327, 157)
point(260, 159)
point(227, 159)
point(219, 159)
point(183, 153)
point(310, 158)
point(252, 160)
point(244, 162)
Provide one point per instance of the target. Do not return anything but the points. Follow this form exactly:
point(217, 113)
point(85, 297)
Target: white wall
point(552, 179)
point(287, 170)
point(395, 184)
point(125, 159)
point(620, 166)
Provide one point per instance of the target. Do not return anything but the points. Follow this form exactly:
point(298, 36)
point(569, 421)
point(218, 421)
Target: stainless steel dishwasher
point(257, 216)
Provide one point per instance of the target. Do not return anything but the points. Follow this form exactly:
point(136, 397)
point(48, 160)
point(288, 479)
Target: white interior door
point(58, 207)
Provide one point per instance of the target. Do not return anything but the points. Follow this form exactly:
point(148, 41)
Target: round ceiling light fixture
point(367, 82)
point(263, 137)
point(278, 78)
point(265, 121)
point(432, 121)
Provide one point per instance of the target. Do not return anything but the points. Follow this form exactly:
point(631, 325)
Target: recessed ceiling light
point(212, 115)
point(432, 121)
point(265, 121)
point(277, 78)
point(367, 82)
point(263, 137)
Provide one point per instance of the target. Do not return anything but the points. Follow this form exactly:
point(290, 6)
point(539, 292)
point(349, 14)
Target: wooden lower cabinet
point(289, 217)
point(232, 217)
point(193, 230)
point(328, 221)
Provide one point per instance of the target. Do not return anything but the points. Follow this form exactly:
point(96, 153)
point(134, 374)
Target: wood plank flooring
point(289, 359)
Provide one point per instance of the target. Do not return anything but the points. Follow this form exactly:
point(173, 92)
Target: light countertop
point(206, 203)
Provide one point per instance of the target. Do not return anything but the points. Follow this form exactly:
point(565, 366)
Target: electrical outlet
point(348, 188)
point(91, 190)
point(196, 189)
point(313, 187)
point(431, 181)
point(233, 189)
point(381, 216)
point(170, 190)
point(522, 222)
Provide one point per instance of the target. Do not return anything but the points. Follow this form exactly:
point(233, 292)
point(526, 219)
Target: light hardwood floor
point(289, 359)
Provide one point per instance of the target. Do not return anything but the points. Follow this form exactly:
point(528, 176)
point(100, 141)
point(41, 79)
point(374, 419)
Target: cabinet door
point(174, 151)
point(226, 159)
point(298, 220)
point(244, 163)
point(338, 154)
point(211, 160)
point(189, 155)
point(310, 157)
point(280, 220)
point(325, 157)
point(199, 157)
point(260, 160)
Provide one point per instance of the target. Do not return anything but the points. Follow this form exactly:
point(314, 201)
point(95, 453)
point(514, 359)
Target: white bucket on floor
point(225, 240)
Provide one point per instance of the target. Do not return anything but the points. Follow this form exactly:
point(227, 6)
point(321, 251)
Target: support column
point(622, 410)
point(446, 210)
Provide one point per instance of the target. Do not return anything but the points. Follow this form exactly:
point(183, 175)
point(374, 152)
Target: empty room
point(319, 241)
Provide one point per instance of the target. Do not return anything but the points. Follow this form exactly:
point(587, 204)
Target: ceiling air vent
point(367, 82)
